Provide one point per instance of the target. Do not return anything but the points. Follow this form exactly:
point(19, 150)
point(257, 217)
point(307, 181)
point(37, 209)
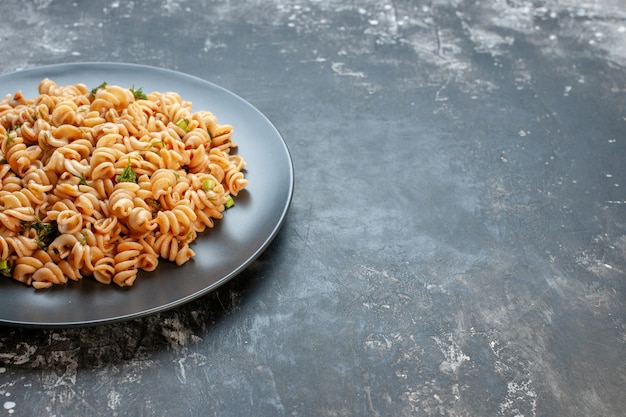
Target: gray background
point(456, 244)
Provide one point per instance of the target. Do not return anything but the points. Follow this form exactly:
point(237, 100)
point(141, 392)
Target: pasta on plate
point(107, 182)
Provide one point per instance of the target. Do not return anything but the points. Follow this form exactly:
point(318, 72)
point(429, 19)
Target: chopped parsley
point(157, 142)
point(207, 184)
point(154, 204)
point(229, 202)
point(46, 232)
point(95, 90)
point(46, 138)
point(4, 268)
point(10, 139)
point(128, 174)
point(138, 93)
point(183, 124)
point(83, 180)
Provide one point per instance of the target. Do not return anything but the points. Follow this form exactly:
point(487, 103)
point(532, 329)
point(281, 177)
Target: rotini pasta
point(106, 182)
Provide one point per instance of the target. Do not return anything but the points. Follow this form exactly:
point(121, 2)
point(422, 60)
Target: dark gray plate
point(221, 253)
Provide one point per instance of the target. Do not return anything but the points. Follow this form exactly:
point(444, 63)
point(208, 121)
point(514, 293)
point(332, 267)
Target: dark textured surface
point(456, 244)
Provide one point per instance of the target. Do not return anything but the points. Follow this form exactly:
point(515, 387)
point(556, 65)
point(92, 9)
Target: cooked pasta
point(107, 182)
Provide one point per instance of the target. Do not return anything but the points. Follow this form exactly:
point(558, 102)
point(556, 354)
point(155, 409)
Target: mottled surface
point(456, 244)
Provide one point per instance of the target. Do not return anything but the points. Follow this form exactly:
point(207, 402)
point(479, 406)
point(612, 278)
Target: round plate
point(221, 252)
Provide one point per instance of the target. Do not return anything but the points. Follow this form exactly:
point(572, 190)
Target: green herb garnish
point(83, 180)
point(157, 142)
point(207, 184)
point(138, 93)
point(128, 174)
point(229, 202)
point(95, 90)
point(10, 139)
point(4, 268)
point(46, 232)
point(183, 124)
point(154, 204)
